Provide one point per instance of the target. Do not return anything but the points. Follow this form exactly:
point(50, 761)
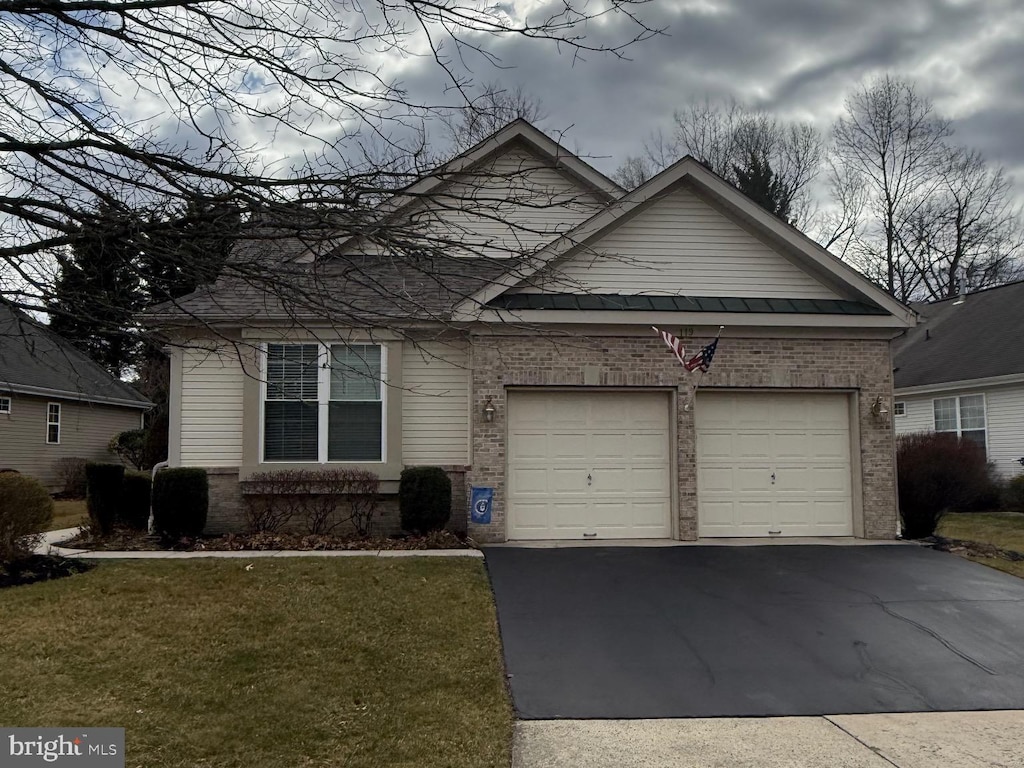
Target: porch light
point(489, 409)
point(878, 409)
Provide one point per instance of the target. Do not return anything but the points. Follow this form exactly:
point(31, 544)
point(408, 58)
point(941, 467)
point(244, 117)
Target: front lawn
point(1004, 530)
point(68, 513)
point(295, 662)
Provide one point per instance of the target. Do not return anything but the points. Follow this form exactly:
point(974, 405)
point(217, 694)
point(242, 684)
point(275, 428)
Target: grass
point(67, 513)
point(296, 662)
point(1000, 529)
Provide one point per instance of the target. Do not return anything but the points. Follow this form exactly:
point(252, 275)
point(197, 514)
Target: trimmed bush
point(103, 494)
point(134, 509)
point(71, 474)
point(424, 499)
point(130, 445)
point(181, 498)
point(1013, 494)
point(26, 510)
point(938, 473)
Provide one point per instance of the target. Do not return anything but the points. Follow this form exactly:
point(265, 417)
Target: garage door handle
point(590, 480)
point(773, 478)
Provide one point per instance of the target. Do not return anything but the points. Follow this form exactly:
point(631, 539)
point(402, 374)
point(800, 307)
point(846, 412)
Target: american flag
point(703, 358)
point(674, 344)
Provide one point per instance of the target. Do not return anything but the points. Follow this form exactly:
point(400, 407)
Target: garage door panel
point(755, 479)
point(789, 446)
point(717, 445)
point(831, 445)
point(619, 439)
point(751, 445)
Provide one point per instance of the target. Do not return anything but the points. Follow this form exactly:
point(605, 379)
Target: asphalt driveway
point(754, 631)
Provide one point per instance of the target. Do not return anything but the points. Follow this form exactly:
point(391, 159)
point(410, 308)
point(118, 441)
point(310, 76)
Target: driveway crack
point(860, 741)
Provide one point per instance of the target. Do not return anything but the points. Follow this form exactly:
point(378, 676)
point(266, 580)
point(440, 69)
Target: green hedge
point(103, 494)
point(26, 510)
point(424, 499)
point(181, 498)
point(1013, 495)
point(135, 492)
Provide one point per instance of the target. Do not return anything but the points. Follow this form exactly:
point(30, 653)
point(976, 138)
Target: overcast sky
point(794, 58)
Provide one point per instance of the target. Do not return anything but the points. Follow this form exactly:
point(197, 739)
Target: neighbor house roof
point(34, 360)
point(980, 336)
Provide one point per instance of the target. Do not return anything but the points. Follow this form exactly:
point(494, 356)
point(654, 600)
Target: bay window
point(324, 403)
point(964, 416)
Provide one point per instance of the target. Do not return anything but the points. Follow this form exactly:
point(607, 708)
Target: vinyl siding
point(85, 432)
point(680, 244)
point(1004, 415)
point(514, 204)
point(435, 403)
point(211, 407)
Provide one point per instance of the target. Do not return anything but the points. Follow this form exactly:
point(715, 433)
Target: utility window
point(964, 416)
point(900, 409)
point(5, 405)
point(53, 423)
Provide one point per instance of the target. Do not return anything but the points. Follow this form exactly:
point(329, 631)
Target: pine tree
point(759, 182)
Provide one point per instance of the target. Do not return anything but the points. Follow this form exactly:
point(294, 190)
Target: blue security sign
point(480, 510)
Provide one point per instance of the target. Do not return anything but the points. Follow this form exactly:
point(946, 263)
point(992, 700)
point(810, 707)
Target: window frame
point(899, 408)
point(959, 419)
point(323, 402)
point(51, 423)
point(6, 399)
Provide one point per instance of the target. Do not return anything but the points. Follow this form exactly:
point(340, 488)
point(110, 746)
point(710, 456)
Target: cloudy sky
point(794, 58)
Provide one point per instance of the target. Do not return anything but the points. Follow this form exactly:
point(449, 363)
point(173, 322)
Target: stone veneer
point(861, 366)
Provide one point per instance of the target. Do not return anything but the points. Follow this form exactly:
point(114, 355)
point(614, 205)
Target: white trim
point(10, 404)
point(951, 386)
point(959, 427)
point(50, 423)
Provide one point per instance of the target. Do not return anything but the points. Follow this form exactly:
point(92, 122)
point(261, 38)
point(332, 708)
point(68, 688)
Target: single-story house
point(56, 402)
point(962, 371)
point(519, 355)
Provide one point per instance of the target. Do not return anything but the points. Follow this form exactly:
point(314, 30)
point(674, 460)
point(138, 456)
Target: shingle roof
point(684, 304)
point(976, 339)
point(34, 357)
point(345, 290)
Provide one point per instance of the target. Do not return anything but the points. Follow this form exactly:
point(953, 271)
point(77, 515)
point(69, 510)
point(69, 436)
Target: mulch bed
point(972, 548)
point(126, 540)
point(29, 570)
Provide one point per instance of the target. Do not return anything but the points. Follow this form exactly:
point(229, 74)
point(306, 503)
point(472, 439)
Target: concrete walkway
point(50, 539)
point(915, 740)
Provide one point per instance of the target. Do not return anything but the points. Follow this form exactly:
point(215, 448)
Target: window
point(900, 409)
point(53, 423)
point(5, 405)
point(324, 403)
point(963, 415)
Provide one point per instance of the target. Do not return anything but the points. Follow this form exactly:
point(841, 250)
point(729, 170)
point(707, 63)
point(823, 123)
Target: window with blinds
point(964, 415)
point(324, 403)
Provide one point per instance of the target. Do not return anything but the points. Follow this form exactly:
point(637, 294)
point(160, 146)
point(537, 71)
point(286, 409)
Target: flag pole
point(693, 393)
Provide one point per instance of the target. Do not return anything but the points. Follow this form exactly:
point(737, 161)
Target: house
point(519, 355)
point(962, 371)
point(55, 402)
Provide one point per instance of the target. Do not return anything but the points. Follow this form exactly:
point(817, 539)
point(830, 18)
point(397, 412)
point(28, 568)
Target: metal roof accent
point(642, 303)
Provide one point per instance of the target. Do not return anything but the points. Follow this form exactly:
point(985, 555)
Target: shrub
point(937, 473)
point(26, 510)
point(71, 474)
point(135, 495)
point(130, 445)
point(103, 494)
point(181, 498)
point(424, 499)
point(1013, 494)
point(321, 500)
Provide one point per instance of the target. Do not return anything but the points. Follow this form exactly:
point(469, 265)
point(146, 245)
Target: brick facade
point(860, 367)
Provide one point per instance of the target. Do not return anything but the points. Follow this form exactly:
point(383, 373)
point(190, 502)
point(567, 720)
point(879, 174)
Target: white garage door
point(588, 465)
point(773, 464)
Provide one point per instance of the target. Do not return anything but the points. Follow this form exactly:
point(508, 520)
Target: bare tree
point(151, 104)
point(744, 147)
point(634, 171)
point(495, 107)
point(892, 143)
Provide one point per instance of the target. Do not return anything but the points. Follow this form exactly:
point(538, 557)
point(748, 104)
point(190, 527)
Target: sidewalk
point(50, 539)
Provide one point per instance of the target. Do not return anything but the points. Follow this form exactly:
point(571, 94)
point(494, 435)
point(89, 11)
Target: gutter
point(77, 396)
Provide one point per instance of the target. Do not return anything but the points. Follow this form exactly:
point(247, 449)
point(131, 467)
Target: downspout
point(150, 525)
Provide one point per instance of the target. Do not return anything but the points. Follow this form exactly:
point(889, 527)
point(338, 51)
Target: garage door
point(588, 465)
point(773, 465)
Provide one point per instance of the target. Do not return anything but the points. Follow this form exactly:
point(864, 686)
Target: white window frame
point(323, 399)
point(899, 408)
point(51, 423)
point(959, 424)
point(5, 405)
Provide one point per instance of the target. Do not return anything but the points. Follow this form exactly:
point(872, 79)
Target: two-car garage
point(601, 464)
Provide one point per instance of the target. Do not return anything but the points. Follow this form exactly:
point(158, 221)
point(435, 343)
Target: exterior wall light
point(489, 409)
point(878, 409)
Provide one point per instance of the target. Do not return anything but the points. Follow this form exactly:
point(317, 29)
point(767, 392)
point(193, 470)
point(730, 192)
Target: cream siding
point(85, 432)
point(513, 204)
point(211, 407)
point(679, 244)
point(435, 403)
point(1004, 416)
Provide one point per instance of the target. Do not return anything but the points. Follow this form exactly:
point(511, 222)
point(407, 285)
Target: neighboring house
point(55, 402)
point(540, 377)
point(962, 371)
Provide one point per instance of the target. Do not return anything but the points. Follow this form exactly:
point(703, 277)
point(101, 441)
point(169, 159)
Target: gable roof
point(34, 360)
point(804, 251)
point(980, 337)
